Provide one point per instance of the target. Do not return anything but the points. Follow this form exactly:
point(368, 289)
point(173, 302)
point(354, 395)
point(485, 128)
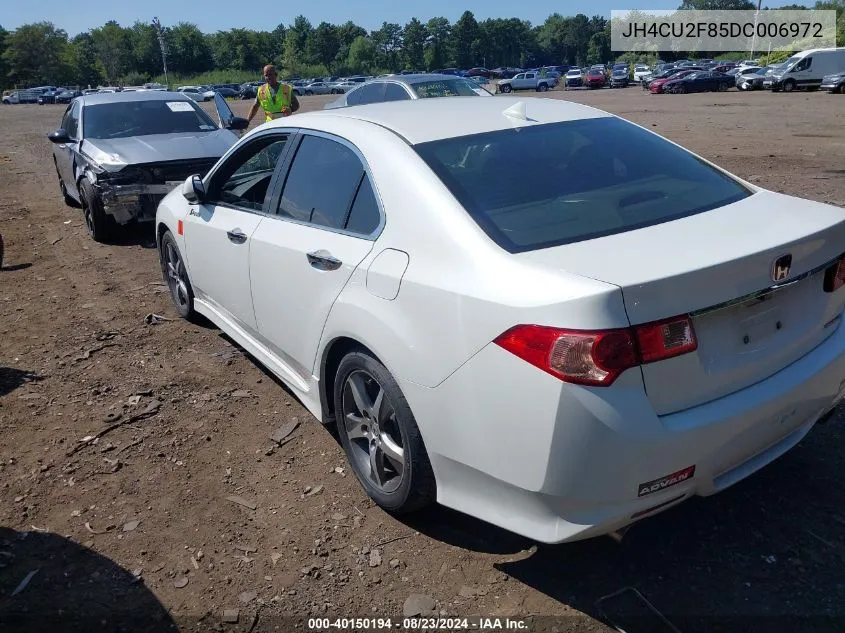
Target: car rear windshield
point(545, 185)
point(142, 118)
point(446, 88)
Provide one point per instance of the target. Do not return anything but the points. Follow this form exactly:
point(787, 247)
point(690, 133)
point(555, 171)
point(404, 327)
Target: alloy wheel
point(375, 440)
point(175, 275)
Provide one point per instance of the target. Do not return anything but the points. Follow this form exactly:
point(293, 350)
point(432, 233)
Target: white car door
point(326, 220)
point(218, 232)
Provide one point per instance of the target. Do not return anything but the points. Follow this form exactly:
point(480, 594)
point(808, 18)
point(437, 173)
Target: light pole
point(754, 37)
point(163, 45)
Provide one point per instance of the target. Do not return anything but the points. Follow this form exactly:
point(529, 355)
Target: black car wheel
point(788, 85)
point(543, 87)
point(176, 276)
point(380, 436)
point(99, 225)
point(682, 89)
point(506, 89)
point(723, 87)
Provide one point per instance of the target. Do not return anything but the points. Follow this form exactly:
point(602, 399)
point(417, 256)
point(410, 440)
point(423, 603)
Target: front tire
point(506, 89)
point(100, 226)
point(380, 436)
point(176, 276)
point(788, 85)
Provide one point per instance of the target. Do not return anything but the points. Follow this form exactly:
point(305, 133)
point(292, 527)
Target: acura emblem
point(780, 268)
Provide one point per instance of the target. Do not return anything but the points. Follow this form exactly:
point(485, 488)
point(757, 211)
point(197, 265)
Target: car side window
point(395, 92)
point(322, 185)
point(244, 179)
point(364, 217)
point(72, 124)
point(372, 93)
point(804, 64)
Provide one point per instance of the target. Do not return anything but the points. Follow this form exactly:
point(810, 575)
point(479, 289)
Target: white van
point(806, 69)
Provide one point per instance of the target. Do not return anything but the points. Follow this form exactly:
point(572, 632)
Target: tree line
point(111, 54)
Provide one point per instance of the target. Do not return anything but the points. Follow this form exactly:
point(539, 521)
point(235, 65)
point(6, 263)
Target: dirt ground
point(139, 531)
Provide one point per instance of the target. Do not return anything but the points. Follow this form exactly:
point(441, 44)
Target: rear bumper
point(557, 462)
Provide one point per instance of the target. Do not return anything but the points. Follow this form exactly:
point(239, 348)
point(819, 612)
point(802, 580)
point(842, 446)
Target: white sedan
point(530, 311)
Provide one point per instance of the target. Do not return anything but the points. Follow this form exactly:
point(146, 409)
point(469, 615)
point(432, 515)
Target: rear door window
point(574, 181)
point(321, 184)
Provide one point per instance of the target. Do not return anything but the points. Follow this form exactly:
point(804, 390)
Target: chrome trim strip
point(765, 291)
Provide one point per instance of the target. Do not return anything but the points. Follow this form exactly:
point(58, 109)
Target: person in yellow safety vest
point(277, 100)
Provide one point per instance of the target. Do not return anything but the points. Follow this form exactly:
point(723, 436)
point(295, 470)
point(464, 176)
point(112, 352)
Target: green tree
point(362, 55)
point(388, 42)
point(598, 48)
point(465, 40)
point(189, 51)
point(145, 53)
point(302, 31)
point(292, 56)
point(82, 59)
point(35, 54)
point(413, 45)
point(4, 67)
point(113, 45)
point(324, 44)
point(437, 44)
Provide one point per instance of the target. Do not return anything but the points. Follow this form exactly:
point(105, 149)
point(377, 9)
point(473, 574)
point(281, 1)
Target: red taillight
point(834, 277)
point(598, 357)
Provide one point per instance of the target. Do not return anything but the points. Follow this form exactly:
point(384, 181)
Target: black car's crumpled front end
point(135, 191)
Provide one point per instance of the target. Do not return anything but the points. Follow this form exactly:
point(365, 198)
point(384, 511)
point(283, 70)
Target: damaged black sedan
point(118, 154)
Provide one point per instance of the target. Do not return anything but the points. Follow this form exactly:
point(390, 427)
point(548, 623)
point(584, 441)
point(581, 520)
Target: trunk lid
point(698, 264)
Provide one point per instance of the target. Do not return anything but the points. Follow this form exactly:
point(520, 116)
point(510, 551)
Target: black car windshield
point(141, 118)
point(574, 181)
point(446, 88)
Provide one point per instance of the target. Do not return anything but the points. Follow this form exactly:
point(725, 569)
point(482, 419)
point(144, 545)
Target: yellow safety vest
point(274, 107)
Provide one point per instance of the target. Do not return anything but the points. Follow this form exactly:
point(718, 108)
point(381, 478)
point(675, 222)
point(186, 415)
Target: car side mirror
point(237, 123)
point(59, 136)
point(193, 189)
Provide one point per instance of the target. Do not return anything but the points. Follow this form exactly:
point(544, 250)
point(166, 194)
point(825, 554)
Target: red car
point(595, 79)
point(656, 86)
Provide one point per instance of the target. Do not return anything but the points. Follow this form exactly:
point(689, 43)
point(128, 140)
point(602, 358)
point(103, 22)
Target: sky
point(216, 15)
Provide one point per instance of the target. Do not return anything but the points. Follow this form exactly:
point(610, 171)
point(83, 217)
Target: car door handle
point(236, 235)
point(323, 260)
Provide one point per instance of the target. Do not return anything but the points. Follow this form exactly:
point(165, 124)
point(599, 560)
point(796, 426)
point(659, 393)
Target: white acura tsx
point(530, 311)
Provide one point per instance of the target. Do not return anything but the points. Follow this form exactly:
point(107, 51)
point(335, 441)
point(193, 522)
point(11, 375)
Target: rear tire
point(543, 88)
point(176, 276)
point(380, 436)
point(100, 226)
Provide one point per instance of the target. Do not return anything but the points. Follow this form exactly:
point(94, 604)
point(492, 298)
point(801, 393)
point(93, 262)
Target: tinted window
point(321, 183)
point(72, 123)
point(364, 217)
point(244, 179)
point(374, 93)
point(395, 92)
point(446, 88)
point(137, 118)
point(574, 181)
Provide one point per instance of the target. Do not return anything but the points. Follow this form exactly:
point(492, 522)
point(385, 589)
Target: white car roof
point(422, 120)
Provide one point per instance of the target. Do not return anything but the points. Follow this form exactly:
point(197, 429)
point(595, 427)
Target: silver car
point(318, 88)
point(118, 154)
point(407, 87)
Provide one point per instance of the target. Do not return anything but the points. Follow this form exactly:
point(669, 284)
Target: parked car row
point(809, 70)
